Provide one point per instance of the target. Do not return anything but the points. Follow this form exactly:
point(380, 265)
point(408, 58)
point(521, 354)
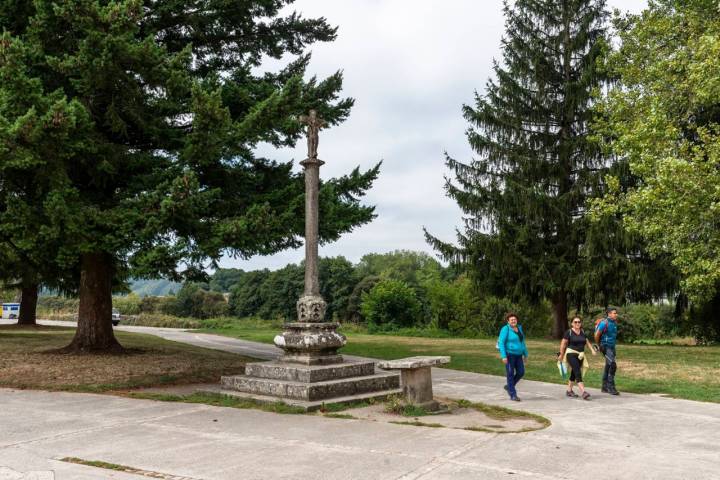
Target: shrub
point(166, 305)
point(484, 316)
point(57, 305)
point(194, 301)
point(703, 321)
point(453, 305)
point(354, 311)
point(160, 320)
point(128, 305)
point(390, 304)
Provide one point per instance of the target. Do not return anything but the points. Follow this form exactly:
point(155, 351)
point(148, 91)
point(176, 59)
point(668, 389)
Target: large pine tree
point(137, 121)
point(526, 232)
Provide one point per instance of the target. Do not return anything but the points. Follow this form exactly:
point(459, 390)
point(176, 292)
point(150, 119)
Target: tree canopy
point(137, 122)
point(664, 117)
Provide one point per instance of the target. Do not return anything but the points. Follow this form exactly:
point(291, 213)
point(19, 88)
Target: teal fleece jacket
point(509, 342)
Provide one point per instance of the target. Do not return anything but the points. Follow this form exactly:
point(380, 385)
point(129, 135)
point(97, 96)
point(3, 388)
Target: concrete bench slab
point(412, 362)
point(416, 378)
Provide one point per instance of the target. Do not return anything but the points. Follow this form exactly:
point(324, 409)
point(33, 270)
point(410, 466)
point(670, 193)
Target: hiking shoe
point(586, 396)
point(515, 399)
point(612, 391)
point(604, 389)
point(506, 388)
point(571, 394)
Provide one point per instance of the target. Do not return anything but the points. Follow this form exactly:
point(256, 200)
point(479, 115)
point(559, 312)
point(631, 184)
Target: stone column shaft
point(312, 206)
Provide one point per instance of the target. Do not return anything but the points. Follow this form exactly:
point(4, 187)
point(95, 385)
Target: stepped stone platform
point(312, 385)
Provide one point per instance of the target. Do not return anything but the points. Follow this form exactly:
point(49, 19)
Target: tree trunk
point(560, 318)
point(28, 304)
point(94, 330)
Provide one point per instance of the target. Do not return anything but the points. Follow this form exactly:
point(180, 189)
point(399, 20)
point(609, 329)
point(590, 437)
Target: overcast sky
point(410, 65)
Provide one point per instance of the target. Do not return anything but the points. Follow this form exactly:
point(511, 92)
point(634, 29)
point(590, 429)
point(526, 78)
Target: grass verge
point(502, 413)
point(120, 468)
point(680, 371)
point(416, 423)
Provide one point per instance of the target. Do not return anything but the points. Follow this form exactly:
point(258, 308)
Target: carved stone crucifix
point(314, 124)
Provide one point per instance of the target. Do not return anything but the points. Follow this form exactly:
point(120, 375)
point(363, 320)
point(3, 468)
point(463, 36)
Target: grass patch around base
point(341, 407)
point(340, 415)
point(502, 413)
point(419, 424)
point(97, 463)
point(120, 468)
point(397, 405)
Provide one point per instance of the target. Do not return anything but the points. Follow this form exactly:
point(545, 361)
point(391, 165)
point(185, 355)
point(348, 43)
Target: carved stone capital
point(311, 308)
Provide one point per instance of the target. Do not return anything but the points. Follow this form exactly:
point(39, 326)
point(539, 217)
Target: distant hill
point(146, 288)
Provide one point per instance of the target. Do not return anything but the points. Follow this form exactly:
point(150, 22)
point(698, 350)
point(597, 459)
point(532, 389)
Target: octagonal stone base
point(310, 343)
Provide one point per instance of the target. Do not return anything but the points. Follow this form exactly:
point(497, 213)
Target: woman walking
point(572, 353)
point(513, 353)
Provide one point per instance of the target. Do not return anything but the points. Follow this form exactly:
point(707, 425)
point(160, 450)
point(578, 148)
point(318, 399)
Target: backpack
point(605, 328)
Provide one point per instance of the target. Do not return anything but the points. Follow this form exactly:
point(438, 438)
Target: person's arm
point(563, 347)
point(589, 345)
point(501, 343)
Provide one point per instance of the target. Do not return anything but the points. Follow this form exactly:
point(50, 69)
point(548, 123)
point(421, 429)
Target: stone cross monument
point(311, 340)
point(310, 372)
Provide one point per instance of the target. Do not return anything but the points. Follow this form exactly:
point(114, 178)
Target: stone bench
point(416, 378)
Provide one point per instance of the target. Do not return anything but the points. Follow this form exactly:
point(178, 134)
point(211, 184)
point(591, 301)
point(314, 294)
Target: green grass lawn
point(28, 359)
point(688, 372)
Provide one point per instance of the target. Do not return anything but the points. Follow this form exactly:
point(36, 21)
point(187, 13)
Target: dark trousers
point(575, 367)
point(608, 378)
point(514, 371)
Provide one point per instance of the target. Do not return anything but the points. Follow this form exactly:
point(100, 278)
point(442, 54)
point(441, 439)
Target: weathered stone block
point(312, 391)
point(413, 362)
point(308, 373)
point(311, 343)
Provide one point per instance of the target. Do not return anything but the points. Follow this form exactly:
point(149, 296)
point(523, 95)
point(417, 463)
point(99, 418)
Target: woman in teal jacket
point(513, 352)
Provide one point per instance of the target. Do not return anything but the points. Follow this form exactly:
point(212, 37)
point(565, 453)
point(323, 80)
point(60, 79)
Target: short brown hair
point(509, 315)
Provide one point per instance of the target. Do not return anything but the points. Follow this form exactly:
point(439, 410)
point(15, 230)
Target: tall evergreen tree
point(137, 122)
point(526, 232)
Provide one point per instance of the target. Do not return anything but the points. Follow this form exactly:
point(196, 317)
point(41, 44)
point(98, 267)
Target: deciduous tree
point(664, 114)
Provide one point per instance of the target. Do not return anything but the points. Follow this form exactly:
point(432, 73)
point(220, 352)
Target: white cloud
point(410, 66)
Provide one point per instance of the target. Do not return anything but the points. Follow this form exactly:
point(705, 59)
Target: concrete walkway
point(626, 437)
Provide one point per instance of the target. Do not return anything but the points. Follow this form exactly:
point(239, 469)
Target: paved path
point(626, 437)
